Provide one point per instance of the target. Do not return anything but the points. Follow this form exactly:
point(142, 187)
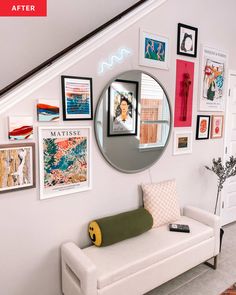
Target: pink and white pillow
point(160, 199)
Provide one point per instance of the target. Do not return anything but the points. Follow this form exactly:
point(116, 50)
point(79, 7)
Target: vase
point(221, 237)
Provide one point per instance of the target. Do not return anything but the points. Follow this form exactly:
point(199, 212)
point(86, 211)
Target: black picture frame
point(115, 125)
point(205, 134)
point(81, 106)
point(186, 34)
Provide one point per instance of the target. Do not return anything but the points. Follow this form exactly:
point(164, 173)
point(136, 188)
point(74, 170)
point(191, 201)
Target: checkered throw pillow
point(160, 199)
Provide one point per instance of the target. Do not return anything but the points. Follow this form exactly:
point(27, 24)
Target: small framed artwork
point(217, 126)
point(182, 142)
point(187, 40)
point(20, 127)
point(65, 160)
point(122, 108)
point(48, 110)
point(17, 166)
point(77, 98)
point(153, 50)
point(203, 126)
point(184, 93)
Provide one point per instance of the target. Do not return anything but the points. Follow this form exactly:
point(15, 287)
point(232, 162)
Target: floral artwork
point(184, 93)
point(16, 167)
point(48, 110)
point(213, 69)
point(66, 159)
point(20, 127)
point(77, 98)
point(217, 126)
point(203, 126)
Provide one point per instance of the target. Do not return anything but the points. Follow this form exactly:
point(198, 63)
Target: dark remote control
point(179, 227)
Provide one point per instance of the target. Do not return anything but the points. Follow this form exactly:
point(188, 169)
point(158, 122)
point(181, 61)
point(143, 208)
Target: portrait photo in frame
point(217, 123)
point(182, 142)
point(17, 166)
point(77, 98)
point(203, 127)
point(65, 160)
point(122, 108)
point(153, 50)
point(187, 40)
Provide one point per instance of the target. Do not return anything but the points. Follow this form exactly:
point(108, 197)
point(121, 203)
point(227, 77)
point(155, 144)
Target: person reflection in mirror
point(123, 121)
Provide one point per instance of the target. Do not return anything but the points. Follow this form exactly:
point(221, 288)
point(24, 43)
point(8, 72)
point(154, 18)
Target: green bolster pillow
point(113, 229)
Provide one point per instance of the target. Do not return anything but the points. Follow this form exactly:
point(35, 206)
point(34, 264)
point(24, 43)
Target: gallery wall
point(32, 230)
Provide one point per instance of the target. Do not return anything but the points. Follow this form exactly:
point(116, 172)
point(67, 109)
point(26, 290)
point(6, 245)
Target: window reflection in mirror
point(132, 121)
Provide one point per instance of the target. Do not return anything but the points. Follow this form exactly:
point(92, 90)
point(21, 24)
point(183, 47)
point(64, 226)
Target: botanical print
point(16, 167)
point(65, 157)
point(77, 98)
point(122, 107)
point(213, 80)
point(48, 110)
point(217, 126)
point(203, 124)
point(20, 128)
point(212, 96)
point(154, 49)
point(184, 93)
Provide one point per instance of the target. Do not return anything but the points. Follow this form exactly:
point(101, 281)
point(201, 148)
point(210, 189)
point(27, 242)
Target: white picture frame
point(153, 50)
point(213, 73)
point(64, 160)
point(182, 142)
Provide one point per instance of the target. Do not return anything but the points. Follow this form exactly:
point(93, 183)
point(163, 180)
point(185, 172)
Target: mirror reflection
point(132, 121)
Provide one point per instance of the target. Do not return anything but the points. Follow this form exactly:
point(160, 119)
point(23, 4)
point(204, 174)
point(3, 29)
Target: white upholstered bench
point(139, 264)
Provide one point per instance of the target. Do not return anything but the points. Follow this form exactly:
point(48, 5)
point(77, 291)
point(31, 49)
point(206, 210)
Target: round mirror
point(133, 121)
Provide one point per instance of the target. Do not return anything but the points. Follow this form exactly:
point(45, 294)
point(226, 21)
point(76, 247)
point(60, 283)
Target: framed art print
point(183, 93)
point(77, 98)
point(217, 126)
point(182, 142)
point(122, 108)
point(187, 40)
point(48, 110)
point(213, 72)
point(65, 160)
point(17, 166)
point(20, 127)
point(153, 50)
point(203, 127)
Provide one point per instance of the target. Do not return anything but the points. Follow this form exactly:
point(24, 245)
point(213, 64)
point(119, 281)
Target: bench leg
point(214, 265)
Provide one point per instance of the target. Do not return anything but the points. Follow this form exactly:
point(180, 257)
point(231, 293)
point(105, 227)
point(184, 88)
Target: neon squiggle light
point(113, 59)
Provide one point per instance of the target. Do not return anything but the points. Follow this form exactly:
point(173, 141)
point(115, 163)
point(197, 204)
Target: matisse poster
point(64, 160)
point(213, 73)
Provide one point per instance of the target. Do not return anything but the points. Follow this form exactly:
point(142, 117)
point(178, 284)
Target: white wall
point(32, 230)
point(26, 42)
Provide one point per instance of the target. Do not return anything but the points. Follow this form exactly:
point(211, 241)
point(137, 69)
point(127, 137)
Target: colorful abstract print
point(23, 132)
point(78, 98)
point(213, 80)
point(47, 112)
point(65, 161)
point(154, 49)
point(15, 168)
